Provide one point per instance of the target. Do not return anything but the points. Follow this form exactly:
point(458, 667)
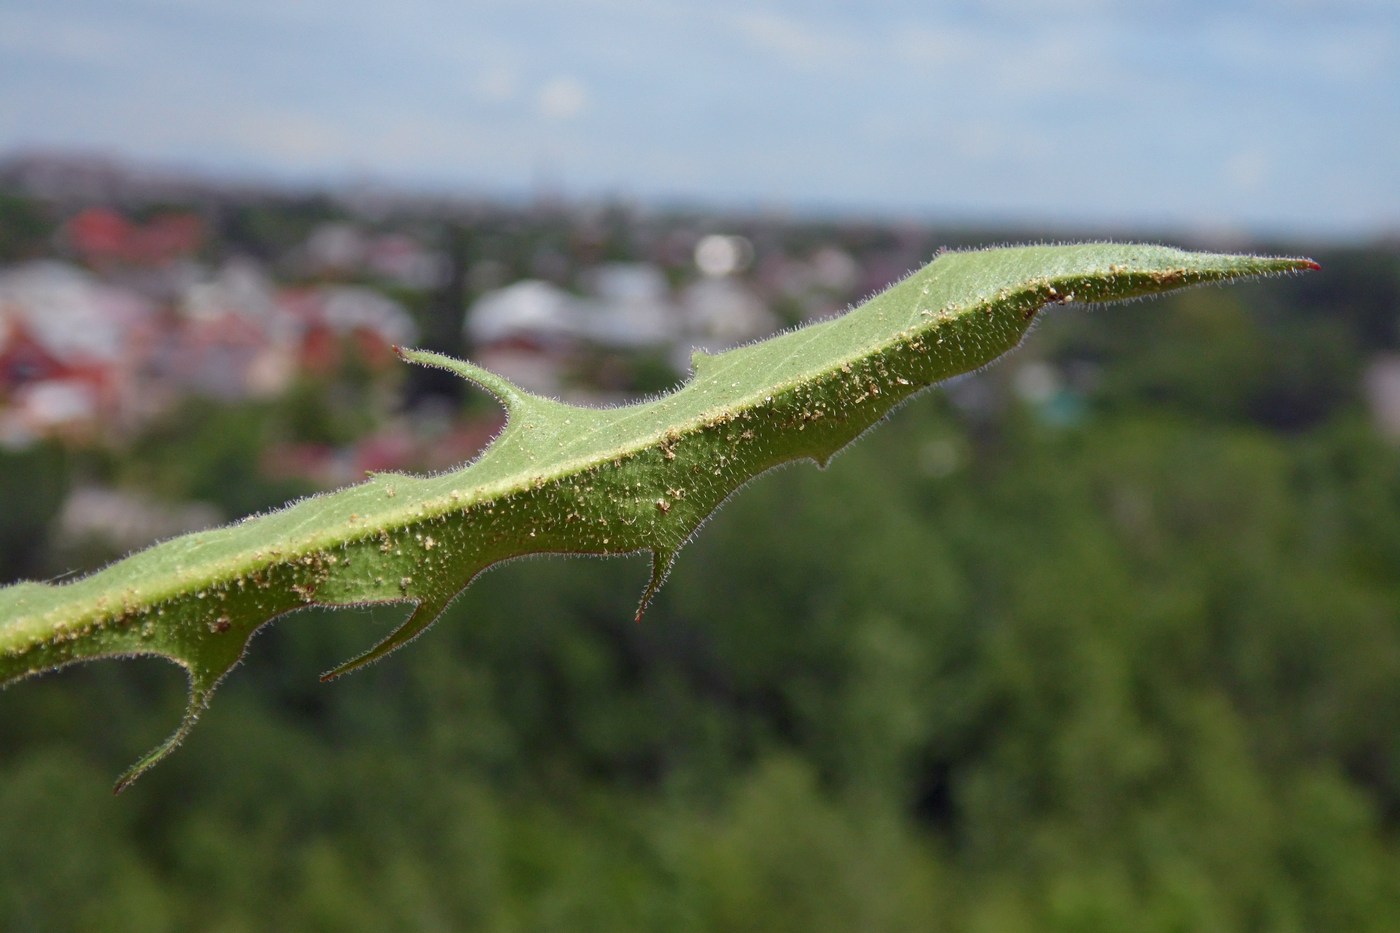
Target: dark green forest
point(1122, 657)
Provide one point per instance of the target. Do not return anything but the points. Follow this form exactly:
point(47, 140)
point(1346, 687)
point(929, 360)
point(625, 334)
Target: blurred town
point(121, 294)
point(125, 294)
point(132, 301)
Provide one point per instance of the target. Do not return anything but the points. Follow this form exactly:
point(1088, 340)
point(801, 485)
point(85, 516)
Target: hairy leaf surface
point(566, 479)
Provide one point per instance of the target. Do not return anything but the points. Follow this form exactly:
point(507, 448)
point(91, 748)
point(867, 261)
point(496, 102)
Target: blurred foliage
point(984, 673)
point(210, 451)
point(33, 484)
point(26, 228)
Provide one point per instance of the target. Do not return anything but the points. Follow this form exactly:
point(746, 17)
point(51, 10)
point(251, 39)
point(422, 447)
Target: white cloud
point(65, 41)
point(496, 86)
point(295, 139)
point(562, 98)
point(794, 40)
point(1247, 171)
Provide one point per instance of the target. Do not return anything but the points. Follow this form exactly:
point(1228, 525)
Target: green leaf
point(571, 480)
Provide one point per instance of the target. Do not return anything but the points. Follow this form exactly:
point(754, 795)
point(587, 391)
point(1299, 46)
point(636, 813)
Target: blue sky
point(1212, 115)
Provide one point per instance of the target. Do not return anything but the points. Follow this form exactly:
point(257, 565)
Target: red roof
point(99, 234)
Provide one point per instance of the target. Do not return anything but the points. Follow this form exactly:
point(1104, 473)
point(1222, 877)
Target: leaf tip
point(661, 561)
point(424, 614)
point(1293, 264)
point(198, 702)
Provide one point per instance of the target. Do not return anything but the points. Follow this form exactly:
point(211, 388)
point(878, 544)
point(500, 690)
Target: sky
point(1234, 116)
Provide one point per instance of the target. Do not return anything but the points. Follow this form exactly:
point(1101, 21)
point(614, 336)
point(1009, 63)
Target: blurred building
point(81, 356)
point(531, 331)
point(68, 350)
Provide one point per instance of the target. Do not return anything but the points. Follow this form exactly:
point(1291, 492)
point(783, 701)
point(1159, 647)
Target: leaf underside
point(571, 480)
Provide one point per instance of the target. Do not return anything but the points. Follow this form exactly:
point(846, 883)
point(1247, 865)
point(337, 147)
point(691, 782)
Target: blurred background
point(1106, 637)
